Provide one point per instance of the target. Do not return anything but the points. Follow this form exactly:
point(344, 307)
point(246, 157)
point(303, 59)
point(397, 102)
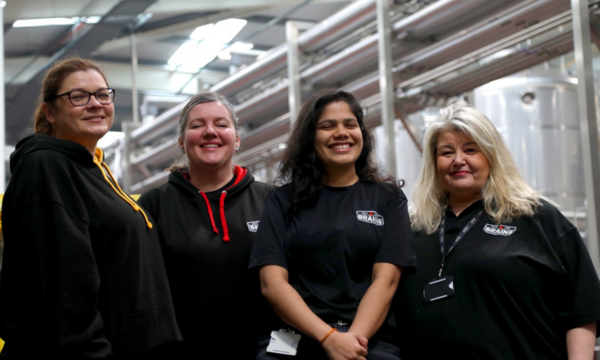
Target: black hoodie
point(82, 274)
point(206, 240)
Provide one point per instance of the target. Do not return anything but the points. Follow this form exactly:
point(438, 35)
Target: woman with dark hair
point(502, 273)
point(333, 241)
point(207, 216)
point(82, 272)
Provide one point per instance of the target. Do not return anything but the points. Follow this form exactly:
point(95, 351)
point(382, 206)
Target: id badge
point(437, 289)
point(284, 342)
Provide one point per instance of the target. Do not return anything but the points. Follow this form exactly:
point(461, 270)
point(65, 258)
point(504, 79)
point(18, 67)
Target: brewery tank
point(538, 117)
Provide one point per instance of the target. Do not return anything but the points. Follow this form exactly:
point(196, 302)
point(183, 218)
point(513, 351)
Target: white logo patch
point(253, 225)
point(369, 216)
point(502, 230)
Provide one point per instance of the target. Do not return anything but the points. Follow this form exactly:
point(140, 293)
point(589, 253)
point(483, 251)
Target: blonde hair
point(506, 195)
point(181, 165)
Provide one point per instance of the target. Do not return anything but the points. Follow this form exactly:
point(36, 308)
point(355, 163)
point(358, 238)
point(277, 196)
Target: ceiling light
point(206, 52)
point(43, 22)
point(201, 31)
point(226, 30)
point(92, 19)
point(56, 21)
point(206, 42)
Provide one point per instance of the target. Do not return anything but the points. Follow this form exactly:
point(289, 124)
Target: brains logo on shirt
point(253, 225)
point(369, 216)
point(502, 230)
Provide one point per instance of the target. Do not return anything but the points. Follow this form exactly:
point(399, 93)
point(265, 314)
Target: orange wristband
point(326, 336)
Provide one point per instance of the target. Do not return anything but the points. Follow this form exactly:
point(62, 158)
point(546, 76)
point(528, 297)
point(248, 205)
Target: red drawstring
point(223, 220)
point(239, 173)
point(210, 214)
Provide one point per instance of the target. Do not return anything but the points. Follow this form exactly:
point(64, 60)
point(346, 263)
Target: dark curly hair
point(302, 168)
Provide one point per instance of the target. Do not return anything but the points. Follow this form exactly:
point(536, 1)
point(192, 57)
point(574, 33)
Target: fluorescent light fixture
point(56, 21)
point(206, 52)
point(226, 30)
point(43, 22)
point(184, 52)
point(237, 47)
point(206, 42)
point(92, 19)
point(201, 31)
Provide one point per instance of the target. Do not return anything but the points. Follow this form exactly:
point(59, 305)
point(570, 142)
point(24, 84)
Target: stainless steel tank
point(539, 121)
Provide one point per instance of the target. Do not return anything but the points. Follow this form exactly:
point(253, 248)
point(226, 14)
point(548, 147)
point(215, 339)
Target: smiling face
point(462, 167)
point(210, 137)
point(82, 124)
point(338, 140)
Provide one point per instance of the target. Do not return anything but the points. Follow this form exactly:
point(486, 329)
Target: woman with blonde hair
point(502, 274)
point(207, 217)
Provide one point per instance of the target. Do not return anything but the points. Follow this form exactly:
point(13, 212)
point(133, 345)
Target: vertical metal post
point(589, 123)
point(293, 62)
point(2, 110)
point(386, 85)
point(128, 127)
point(134, 71)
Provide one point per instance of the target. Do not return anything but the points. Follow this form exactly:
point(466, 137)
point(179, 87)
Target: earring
point(237, 148)
point(182, 151)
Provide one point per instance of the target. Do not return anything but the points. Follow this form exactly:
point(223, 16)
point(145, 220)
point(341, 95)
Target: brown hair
point(51, 85)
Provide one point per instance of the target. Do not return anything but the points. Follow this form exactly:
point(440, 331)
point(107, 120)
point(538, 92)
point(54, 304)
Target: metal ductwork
point(335, 27)
point(424, 72)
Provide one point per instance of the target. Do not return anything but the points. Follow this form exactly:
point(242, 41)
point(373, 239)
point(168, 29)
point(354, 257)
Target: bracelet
point(326, 336)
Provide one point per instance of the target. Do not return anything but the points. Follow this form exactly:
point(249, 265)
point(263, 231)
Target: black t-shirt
point(519, 286)
point(329, 249)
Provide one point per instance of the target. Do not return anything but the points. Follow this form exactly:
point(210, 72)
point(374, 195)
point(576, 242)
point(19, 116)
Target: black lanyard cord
point(467, 227)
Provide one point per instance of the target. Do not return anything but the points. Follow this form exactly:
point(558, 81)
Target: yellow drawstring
point(118, 189)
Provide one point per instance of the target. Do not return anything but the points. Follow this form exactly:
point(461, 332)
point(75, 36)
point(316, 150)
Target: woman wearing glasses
point(82, 274)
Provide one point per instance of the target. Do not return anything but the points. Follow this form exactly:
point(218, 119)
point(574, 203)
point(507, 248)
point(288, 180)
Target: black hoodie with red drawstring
point(206, 240)
point(82, 272)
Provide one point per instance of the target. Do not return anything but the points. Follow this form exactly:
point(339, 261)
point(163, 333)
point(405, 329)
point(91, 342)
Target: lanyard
point(458, 238)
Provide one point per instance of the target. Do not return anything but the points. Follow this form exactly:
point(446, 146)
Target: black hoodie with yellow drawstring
point(82, 272)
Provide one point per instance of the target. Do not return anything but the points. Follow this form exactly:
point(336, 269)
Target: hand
point(346, 346)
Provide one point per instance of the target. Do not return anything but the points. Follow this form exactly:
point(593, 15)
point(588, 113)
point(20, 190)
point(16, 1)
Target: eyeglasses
point(81, 97)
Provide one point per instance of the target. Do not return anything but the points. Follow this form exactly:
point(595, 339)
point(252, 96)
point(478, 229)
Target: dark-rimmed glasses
point(80, 97)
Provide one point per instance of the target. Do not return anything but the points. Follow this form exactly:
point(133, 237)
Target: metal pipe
point(128, 126)
point(293, 60)
point(589, 123)
point(350, 59)
point(338, 25)
point(134, 70)
point(162, 124)
point(433, 14)
point(2, 111)
point(331, 29)
point(487, 32)
point(386, 86)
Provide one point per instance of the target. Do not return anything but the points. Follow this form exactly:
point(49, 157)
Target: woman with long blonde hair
point(502, 274)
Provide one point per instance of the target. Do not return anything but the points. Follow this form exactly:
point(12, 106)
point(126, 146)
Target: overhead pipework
point(440, 49)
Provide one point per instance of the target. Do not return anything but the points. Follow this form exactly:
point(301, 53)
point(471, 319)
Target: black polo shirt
point(520, 286)
point(329, 249)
